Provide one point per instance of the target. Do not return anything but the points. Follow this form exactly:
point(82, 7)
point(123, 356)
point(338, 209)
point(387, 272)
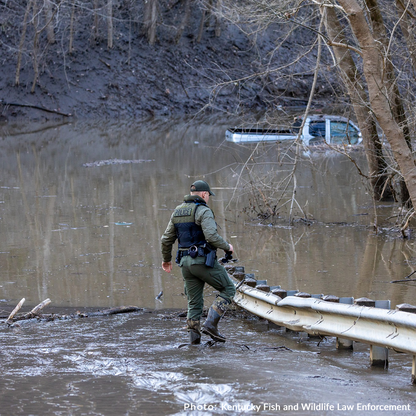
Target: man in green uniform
point(192, 223)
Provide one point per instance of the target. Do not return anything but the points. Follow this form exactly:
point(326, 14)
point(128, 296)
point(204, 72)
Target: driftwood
point(35, 313)
point(111, 311)
point(14, 311)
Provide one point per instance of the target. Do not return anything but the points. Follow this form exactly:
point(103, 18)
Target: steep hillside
point(138, 80)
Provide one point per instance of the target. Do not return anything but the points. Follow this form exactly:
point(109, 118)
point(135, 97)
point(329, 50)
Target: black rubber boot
point(216, 311)
point(194, 332)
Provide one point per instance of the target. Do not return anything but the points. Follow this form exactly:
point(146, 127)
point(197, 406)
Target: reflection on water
point(86, 234)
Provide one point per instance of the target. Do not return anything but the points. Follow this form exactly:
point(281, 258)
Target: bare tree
point(49, 14)
point(110, 24)
point(184, 21)
point(379, 92)
point(359, 98)
point(407, 28)
point(150, 20)
point(380, 35)
point(22, 41)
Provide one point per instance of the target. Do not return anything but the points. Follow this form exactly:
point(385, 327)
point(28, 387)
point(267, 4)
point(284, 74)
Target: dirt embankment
point(138, 80)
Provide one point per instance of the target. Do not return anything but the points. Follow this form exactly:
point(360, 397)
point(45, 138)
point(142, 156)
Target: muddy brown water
point(81, 227)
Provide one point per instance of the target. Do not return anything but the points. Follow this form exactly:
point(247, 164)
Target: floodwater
point(82, 209)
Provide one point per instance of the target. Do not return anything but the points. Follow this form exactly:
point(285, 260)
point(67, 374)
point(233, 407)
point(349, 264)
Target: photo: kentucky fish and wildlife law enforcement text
point(312, 407)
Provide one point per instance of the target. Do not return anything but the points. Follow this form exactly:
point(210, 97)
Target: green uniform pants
point(195, 275)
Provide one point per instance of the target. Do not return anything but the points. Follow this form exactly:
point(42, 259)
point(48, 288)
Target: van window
point(296, 125)
point(317, 129)
point(343, 133)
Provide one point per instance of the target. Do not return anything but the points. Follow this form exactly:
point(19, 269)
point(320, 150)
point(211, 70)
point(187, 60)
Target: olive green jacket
point(204, 217)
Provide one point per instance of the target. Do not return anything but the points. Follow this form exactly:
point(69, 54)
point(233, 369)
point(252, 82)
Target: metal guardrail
point(385, 328)
point(380, 328)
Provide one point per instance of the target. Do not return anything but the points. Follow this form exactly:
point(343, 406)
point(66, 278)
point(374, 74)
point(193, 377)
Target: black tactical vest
point(188, 232)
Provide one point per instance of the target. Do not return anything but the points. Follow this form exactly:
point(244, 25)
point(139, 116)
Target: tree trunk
point(50, 33)
point(206, 14)
point(95, 31)
point(22, 42)
point(110, 24)
point(359, 98)
point(408, 30)
point(396, 102)
point(184, 22)
point(150, 20)
point(378, 88)
point(71, 29)
point(35, 47)
point(201, 26)
point(218, 19)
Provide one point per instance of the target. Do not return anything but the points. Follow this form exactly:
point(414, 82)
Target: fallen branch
point(35, 311)
point(14, 311)
point(403, 280)
point(406, 279)
point(37, 107)
point(111, 311)
point(105, 63)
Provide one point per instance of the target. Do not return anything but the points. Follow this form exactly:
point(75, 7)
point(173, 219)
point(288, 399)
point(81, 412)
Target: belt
point(187, 252)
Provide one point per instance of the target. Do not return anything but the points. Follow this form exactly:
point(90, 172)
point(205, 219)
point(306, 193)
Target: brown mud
point(231, 73)
point(132, 364)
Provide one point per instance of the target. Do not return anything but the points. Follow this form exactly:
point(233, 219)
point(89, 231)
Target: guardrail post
point(281, 293)
point(405, 307)
point(291, 293)
point(302, 295)
point(329, 298)
point(238, 272)
point(278, 291)
point(262, 285)
point(343, 343)
point(414, 370)
point(379, 356)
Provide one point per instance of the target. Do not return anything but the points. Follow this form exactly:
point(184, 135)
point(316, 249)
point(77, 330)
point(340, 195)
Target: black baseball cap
point(201, 186)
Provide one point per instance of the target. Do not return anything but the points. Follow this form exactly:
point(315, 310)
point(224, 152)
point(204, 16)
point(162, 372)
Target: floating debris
point(113, 162)
point(35, 313)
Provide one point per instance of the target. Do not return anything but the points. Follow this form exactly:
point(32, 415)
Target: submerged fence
point(361, 320)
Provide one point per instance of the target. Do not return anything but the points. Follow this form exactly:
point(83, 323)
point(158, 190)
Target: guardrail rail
point(349, 320)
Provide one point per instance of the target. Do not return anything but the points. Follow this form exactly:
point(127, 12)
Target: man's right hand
point(231, 248)
point(167, 266)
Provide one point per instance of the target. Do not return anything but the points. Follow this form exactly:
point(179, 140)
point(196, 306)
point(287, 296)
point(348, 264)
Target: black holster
point(179, 255)
point(210, 256)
